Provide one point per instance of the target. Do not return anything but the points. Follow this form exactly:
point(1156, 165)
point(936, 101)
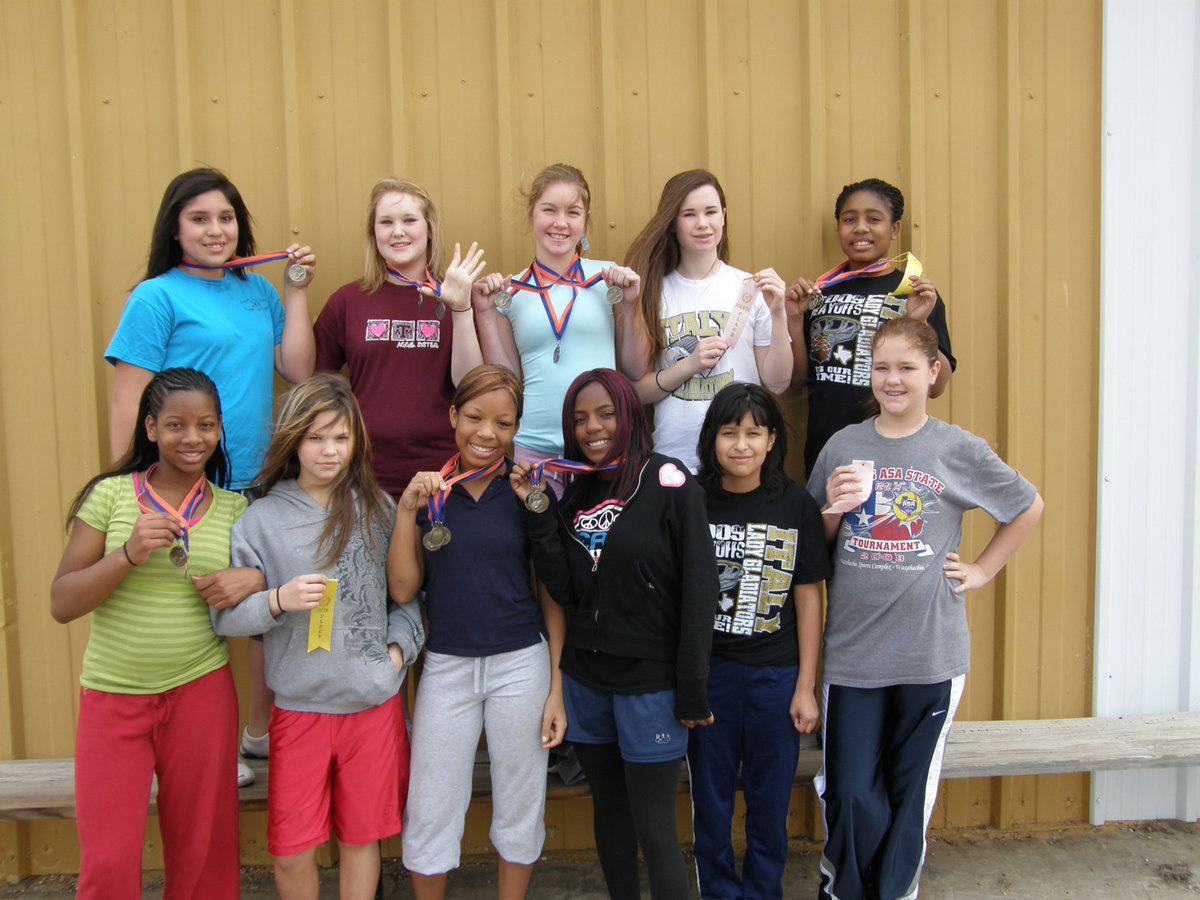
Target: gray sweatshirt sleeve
point(253, 615)
point(404, 629)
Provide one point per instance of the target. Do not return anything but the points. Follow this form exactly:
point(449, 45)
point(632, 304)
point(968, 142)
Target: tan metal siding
point(985, 113)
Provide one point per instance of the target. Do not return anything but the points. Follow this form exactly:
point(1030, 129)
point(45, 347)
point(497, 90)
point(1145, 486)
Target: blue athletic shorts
point(643, 726)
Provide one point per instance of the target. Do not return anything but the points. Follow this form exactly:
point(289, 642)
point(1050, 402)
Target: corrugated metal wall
point(985, 113)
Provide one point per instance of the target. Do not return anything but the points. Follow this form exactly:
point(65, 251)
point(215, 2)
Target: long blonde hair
point(301, 406)
point(374, 268)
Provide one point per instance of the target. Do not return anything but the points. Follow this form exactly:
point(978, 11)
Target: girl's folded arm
point(251, 616)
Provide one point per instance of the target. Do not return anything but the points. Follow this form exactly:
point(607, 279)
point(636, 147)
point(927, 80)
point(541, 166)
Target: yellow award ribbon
point(912, 269)
point(320, 619)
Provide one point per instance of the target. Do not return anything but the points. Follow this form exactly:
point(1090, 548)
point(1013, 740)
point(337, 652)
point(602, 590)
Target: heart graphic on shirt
point(428, 329)
point(670, 476)
point(379, 329)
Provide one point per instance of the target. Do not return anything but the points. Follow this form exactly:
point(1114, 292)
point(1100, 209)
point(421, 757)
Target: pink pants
point(186, 736)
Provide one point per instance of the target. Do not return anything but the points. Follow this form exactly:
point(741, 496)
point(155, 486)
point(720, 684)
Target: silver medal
point(557, 352)
point(615, 295)
point(178, 556)
point(296, 273)
point(815, 300)
point(536, 500)
point(502, 299)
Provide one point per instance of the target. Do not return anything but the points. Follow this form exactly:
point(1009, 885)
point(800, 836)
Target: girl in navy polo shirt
point(491, 659)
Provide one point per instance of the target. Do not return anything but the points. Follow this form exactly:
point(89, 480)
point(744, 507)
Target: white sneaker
point(245, 774)
point(254, 747)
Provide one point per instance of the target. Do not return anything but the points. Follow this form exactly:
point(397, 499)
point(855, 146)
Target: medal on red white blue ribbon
point(148, 499)
point(539, 279)
point(296, 273)
point(431, 283)
point(536, 500)
point(438, 535)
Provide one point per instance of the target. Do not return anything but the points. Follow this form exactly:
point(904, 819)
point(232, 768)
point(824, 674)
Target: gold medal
point(436, 538)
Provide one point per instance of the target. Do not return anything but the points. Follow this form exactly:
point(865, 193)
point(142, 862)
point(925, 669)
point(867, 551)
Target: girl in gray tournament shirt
point(893, 491)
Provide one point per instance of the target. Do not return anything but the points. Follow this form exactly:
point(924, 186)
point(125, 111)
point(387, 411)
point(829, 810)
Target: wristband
point(128, 558)
point(658, 383)
point(278, 605)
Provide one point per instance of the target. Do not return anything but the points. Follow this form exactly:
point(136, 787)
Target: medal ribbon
point(568, 465)
point(153, 502)
point(437, 503)
point(430, 282)
point(240, 262)
point(539, 279)
point(574, 277)
point(841, 272)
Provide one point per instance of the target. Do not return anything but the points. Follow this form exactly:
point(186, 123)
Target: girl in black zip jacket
point(628, 553)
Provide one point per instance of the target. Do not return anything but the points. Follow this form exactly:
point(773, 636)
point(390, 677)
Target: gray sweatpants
point(504, 695)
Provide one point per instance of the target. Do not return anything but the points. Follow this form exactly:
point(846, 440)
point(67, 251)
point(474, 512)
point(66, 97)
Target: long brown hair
point(165, 250)
point(374, 268)
point(654, 253)
point(357, 500)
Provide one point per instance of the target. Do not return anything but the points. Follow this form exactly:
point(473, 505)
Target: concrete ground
point(1157, 860)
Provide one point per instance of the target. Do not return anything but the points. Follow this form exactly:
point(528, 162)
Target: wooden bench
point(44, 788)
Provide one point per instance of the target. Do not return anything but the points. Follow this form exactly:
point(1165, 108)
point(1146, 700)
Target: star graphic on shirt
point(863, 519)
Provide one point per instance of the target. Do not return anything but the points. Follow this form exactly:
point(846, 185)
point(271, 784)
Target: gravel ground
point(1156, 860)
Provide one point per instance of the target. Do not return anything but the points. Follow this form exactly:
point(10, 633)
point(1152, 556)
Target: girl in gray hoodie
point(336, 648)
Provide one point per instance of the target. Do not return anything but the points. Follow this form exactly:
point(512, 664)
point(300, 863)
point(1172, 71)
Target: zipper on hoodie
point(637, 487)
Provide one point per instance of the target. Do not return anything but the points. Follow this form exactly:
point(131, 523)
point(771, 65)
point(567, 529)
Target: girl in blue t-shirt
point(771, 556)
point(157, 697)
point(189, 310)
point(491, 660)
point(545, 324)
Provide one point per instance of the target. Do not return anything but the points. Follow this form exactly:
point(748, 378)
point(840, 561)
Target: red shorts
point(345, 772)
